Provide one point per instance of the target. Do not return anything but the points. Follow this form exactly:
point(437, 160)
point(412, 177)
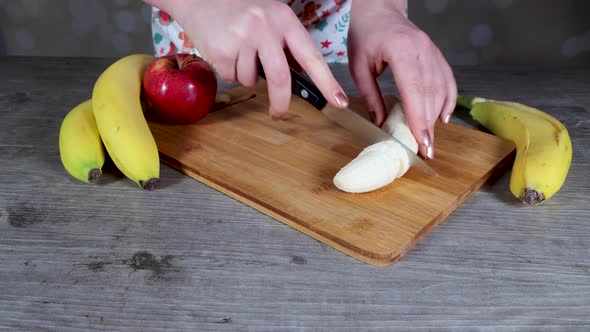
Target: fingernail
point(447, 118)
point(428, 144)
point(341, 99)
point(430, 152)
point(426, 138)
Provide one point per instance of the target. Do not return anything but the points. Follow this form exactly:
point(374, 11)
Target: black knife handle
point(302, 87)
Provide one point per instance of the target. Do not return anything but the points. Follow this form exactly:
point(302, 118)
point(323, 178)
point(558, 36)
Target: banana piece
point(543, 146)
point(80, 147)
point(381, 163)
point(397, 126)
point(121, 122)
point(375, 167)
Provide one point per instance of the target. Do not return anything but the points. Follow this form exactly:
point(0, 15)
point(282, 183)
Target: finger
point(439, 83)
point(451, 100)
point(291, 61)
point(433, 110)
point(438, 99)
point(432, 106)
point(223, 61)
point(369, 90)
point(425, 81)
point(440, 80)
point(416, 106)
point(225, 68)
point(278, 77)
point(433, 92)
point(304, 50)
point(246, 66)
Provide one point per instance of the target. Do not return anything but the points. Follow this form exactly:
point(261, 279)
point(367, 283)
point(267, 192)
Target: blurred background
point(468, 32)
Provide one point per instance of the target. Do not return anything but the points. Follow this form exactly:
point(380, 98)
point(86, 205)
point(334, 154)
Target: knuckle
point(254, 19)
point(238, 34)
point(282, 11)
point(372, 102)
point(278, 75)
point(254, 11)
point(315, 60)
point(414, 43)
point(452, 98)
point(453, 92)
point(256, 15)
point(226, 73)
point(247, 79)
point(404, 40)
point(421, 39)
point(245, 82)
point(427, 89)
point(368, 98)
point(227, 77)
point(453, 88)
point(249, 82)
point(219, 55)
point(441, 88)
point(431, 88)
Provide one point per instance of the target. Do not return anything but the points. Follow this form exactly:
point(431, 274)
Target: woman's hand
point(231, 35)
point(380, 36)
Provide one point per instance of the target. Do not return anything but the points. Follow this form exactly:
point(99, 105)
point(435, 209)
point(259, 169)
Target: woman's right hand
point(231, 35)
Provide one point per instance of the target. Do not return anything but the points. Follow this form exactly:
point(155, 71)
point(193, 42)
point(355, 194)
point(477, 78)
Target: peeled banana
point(381, 163)
point(543, 145)
point(80, 147)
point(121, 122)
point(375, 167)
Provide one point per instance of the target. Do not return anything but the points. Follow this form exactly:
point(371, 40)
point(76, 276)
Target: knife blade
point(348, 119)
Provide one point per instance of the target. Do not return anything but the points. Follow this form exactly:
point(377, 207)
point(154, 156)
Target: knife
point(346, 118)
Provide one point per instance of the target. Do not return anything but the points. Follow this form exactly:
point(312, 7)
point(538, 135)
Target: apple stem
point(179, 62)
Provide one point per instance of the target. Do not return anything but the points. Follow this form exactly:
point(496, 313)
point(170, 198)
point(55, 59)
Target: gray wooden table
point(186, 257)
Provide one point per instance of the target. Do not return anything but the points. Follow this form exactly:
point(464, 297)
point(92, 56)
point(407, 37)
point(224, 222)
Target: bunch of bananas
point(543, 145)
point(113, 119)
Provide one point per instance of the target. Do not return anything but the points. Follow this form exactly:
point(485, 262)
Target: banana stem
point(464, 102)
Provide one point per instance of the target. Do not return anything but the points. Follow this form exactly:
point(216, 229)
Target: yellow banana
point(543, 145)
point(121, 122)
point(81, 151)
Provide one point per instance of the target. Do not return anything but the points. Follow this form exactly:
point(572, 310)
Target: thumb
point(369, 91)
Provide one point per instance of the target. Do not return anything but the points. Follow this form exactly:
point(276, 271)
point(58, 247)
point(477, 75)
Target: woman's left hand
point(380, 36)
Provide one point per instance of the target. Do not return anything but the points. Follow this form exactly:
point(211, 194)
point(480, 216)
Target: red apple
point(179, 89)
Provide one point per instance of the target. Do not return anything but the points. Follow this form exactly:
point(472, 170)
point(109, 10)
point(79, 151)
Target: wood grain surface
point(285, 169)
point(111, 257)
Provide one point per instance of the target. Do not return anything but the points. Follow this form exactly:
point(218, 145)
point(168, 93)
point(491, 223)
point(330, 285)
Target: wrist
point(378, 5)
point(400, 5)
point(171, 7)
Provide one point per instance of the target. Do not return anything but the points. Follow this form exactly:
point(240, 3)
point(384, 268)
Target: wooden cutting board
point(285, 169)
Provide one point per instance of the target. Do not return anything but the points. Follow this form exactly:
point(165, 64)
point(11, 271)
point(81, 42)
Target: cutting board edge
point(376, 259)
point(492, 172)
